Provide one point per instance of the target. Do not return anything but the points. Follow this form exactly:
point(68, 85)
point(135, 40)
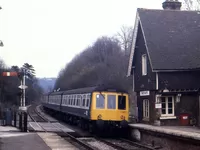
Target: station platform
point(181, 131)
point(172, 137)
point(11, 138)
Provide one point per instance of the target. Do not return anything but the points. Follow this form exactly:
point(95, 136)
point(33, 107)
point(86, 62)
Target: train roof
point(89, 90)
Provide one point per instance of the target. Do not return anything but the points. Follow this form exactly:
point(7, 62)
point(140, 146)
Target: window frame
point(145, 108)
point(144, 64)
point(166, 106)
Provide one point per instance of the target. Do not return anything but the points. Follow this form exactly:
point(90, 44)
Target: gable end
point(135, 32)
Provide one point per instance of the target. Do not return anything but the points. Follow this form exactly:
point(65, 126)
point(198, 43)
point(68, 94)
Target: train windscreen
point(100, 101)
point(111, 102)
point(122, 102)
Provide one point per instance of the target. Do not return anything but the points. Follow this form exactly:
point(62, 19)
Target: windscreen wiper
point(102, 95)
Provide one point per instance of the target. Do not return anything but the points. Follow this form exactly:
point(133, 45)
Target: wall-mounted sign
point(158, 105)
point(144, 93)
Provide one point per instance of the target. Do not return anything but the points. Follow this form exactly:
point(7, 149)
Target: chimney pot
point(172, 5)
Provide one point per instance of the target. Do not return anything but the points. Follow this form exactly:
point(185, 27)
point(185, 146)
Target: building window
point(145, 108)
point(167, 106)
point(144, 64)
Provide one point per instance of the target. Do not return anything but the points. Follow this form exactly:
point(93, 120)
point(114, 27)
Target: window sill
point(167, 117)
point(145, 119)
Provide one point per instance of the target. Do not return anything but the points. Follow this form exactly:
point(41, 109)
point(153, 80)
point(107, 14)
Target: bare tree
point(192, 4)
point(102, 63)
point(125, 38)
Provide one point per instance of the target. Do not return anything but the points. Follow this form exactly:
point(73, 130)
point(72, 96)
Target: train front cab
point(110, 109)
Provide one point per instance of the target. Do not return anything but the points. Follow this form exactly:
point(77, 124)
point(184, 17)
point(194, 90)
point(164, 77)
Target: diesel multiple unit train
point(92, 107)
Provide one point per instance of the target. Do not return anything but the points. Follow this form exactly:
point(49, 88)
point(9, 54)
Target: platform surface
point(11, 138)
point(56, 142)
point(182, 131)
point(48, 127)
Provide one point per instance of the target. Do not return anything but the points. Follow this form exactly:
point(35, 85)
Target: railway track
point(123, 144)
point(114, 144)
point(34, 115)
point(89, 143)
point(37, 117)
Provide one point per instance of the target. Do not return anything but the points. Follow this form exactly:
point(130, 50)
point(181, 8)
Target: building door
point(140, 109)
point(199, 113)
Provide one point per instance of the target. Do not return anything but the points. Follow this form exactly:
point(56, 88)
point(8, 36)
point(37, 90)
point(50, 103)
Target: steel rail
point(138, 144)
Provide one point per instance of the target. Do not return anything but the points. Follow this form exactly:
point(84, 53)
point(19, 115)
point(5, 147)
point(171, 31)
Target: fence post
point(15, 119)
point(25, 122)
point(20, 120)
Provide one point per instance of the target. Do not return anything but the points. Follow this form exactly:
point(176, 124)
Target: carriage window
point(100, 101)
point(122, 102)
point(88, 100)
point(67, 99)
point(83, 101)
point(78, 100)
point(111, 102)
point(71, 98)
point(63, 99)
point(74, 100)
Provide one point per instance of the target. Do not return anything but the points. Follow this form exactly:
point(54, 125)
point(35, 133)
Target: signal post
point(22, 107)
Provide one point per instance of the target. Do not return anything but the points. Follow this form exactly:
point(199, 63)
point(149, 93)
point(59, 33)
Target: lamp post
point(1, 43)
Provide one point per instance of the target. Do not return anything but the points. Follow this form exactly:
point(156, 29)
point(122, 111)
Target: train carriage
point(54, 101)
point(93, 106)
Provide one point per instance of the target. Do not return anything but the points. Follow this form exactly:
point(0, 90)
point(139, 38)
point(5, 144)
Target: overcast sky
point(49, 33)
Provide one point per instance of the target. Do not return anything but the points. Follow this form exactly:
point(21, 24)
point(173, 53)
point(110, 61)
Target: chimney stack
point(171, 5)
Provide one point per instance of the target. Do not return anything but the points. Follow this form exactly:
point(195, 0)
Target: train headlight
point(122, 117)
point(99, 116)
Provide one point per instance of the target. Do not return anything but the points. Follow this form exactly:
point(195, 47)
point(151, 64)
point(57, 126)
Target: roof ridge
point(168, 10)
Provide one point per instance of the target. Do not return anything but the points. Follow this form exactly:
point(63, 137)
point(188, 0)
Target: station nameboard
point(144, 93)
point(158, 105)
